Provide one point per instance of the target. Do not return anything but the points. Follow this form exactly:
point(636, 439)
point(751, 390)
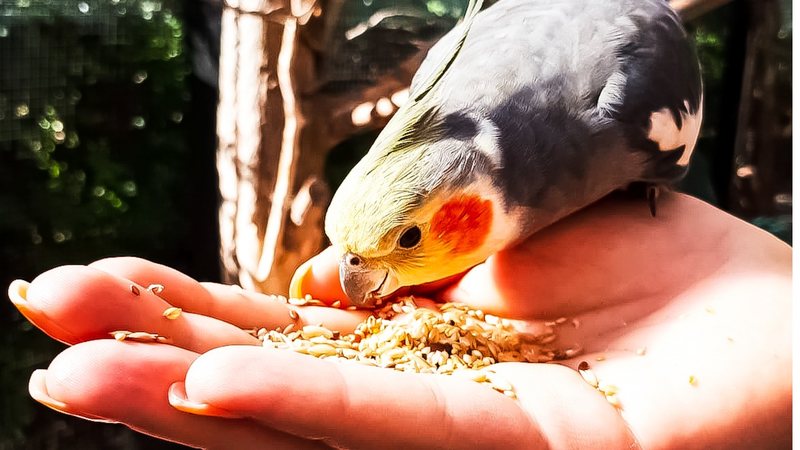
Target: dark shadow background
point(107, 141)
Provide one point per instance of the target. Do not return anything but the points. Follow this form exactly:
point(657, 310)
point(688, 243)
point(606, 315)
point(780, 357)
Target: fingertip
point(297, 284)
point(37, 388)
point(180, 401)
point(18, 293)
point(319, 278)
point(23, 296)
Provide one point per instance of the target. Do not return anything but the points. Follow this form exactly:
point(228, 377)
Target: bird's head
point(422, 204)
point(419, 207)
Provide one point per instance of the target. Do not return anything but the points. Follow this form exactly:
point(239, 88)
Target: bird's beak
point(365, 285)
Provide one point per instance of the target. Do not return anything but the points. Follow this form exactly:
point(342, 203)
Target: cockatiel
point(522, 114)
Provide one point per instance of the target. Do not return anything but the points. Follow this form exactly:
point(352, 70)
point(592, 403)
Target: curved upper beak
point(365, 285)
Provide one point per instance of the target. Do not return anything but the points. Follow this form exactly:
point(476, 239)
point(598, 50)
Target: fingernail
point(38, 391)
point(179, 401)
point(298, 280)
point(18, 293)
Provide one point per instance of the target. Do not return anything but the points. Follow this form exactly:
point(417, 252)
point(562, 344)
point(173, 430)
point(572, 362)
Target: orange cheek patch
point(463, 223)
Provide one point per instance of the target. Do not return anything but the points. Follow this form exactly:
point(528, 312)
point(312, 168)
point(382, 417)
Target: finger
point(232, 304)
point(128, 383)
point(78, 303)
point(255, 310)
point(319, 278)
point(355, 406)
point(228, 303)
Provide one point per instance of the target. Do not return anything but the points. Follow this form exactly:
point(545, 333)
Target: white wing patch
point(612, 95)
point(665, 132)
point(487, 140)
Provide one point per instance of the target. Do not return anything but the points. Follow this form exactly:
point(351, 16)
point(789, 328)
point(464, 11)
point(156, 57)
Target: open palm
point(685, 315)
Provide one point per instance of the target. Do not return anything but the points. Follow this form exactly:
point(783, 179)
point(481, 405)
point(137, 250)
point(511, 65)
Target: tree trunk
point(275, 128)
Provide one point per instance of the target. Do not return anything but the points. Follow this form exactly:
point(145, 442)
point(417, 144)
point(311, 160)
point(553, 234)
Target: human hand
point(692, 293)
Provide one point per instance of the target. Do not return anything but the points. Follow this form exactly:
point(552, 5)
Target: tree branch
point(692, 9)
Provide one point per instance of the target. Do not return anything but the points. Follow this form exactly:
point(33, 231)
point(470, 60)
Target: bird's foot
point(652, 197)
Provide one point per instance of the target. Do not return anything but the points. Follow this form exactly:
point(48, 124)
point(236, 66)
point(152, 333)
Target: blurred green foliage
point(92, 100)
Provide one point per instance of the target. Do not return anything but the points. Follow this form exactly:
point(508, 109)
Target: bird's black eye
point(410, 237)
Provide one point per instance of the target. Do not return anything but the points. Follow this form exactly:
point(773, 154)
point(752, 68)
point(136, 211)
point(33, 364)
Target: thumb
point(319, 278)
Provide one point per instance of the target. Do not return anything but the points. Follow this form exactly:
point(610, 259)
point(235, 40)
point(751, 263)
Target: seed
point(600, 358)
point(587, 374)
point(322, 350)
point(172, 313)
point(120, 335)
point(499, 382)
point(572, 351)
point(472, 374)
point(156, 288)
point(141, 336)
point(395, 353)
point(614, 400)
point(135, 289)
point(692, 380)
point(312, 331)
point(641, 351)
point(446, 340)
point(576, 323)
point(337, 304)
point(608, 389)
point(710, 310)
point(298, 301)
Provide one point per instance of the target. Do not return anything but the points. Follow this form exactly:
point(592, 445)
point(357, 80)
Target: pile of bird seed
point(455, 340)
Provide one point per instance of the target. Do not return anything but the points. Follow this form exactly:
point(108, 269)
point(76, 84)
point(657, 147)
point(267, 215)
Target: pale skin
point(687, 314)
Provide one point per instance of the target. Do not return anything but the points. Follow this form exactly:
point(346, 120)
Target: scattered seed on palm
point(453, 340)
point(134, 289)
point(614, 400)
point(139, 336)
point(120, 335)
point(156, 288)
point(172, 313)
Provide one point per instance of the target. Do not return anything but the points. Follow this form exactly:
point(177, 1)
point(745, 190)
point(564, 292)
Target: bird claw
point(652, 197)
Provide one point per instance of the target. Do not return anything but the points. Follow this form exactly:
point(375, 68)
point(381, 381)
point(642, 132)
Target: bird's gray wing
point(656, 92)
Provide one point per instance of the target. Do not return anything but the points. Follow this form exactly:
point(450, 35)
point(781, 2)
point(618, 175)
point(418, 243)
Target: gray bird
point(524, 113)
